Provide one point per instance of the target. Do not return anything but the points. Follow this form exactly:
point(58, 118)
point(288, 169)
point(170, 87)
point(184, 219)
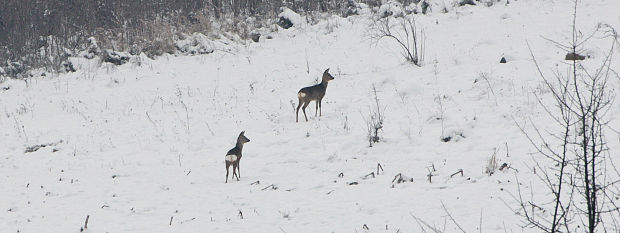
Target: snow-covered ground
point(140, 147)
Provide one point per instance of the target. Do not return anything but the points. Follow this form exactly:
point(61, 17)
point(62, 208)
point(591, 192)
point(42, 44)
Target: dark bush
point(116, 58)
point(425, 6)
point(351, 8)
point(68, 66)
point(14, 68)
point(255, 36)
point(55, 26)
point(285, 23)
point(467, 2)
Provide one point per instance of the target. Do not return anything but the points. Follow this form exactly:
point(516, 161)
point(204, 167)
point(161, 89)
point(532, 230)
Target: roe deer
point(234, 156)
point(313, 93)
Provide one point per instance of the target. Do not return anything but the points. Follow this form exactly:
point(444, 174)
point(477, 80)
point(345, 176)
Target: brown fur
point(313, 93)
point(236, 151)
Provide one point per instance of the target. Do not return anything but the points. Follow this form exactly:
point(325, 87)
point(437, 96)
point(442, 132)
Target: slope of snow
point(140, 147)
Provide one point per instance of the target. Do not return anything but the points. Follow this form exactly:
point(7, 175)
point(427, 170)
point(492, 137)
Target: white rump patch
point(231, 158)
point(301, 94)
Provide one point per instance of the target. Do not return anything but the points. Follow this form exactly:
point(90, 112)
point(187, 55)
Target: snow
point(196, 43)
point(392, 8)
point(293, 16)
point(141, 147)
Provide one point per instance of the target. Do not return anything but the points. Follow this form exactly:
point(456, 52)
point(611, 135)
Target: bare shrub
point(375, 119)
point(579, 179)
point(404, 32)
point(491, 166)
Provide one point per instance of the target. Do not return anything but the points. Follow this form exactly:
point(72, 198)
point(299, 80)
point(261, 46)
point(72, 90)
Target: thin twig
point(451, 218)
point(86, 222)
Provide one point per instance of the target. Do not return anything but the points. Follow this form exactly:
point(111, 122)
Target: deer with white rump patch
point(234, 156)
point(313, 93)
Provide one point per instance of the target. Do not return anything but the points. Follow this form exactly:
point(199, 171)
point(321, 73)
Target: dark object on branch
point(572, 56)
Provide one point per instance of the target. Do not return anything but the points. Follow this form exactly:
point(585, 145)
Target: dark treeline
point(43, 33)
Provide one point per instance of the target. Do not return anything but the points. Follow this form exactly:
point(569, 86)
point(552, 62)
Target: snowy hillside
point(140, 147)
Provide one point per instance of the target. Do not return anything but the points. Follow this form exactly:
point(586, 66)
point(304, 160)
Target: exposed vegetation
point(37, 33)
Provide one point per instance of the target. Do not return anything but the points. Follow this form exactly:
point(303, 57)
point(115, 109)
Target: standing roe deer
point(234, 156)
point(313, 93)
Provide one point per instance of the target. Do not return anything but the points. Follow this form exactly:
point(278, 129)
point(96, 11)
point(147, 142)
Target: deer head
point(326, 76)
point(242, 138)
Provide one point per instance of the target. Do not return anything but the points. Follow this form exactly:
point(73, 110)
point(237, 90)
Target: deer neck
point(324, 84)
point(239, 145)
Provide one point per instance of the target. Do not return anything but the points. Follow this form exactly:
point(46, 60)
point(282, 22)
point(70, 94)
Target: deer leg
point(320, 107)
point(297, 114)
point(239, 167)
point(227, 166)
point(235, 171)
point(304, 109)
point(316, 108)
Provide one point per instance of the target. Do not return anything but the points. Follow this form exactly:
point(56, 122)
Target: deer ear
point(326, 71)
point(242, 132)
